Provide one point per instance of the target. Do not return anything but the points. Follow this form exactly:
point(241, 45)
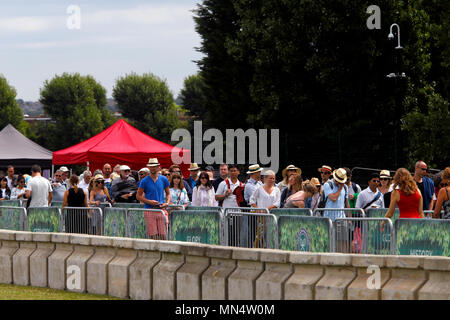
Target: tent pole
point(53, 170)
point(87, 165)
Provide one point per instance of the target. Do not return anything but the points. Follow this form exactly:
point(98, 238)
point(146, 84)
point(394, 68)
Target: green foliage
point(428, 130)
point(115, 222)
point(436, 233)
point(137, 227)
point(76, 103)
point(10, 112)
point(286, 64)
point(43, 219)
point(148, 103)
point(193, 97)
point(318, 230)
point(201, 220)
point(10, 219)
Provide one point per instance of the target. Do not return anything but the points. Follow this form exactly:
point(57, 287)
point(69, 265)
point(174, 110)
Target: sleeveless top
point(75, 199)
point(409, 205)
point(101, 197)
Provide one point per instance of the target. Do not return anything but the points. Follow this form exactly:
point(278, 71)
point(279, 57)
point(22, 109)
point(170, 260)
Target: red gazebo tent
point(120, 144)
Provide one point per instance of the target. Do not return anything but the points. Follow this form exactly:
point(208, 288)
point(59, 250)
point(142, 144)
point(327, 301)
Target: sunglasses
point(127, 170)
point(204, 178)
point(167, 174)
point(100, 182)
point(142, 174)
point(176, 172)
point(384, 179)
point(327, 173)
point(424, 169)
point(377, 181)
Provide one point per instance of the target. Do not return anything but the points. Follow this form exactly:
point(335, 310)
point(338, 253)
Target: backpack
point(323, 199)
point(239, 193)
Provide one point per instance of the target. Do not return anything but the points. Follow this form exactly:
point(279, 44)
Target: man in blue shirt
point(152, 188)
point(151, 192)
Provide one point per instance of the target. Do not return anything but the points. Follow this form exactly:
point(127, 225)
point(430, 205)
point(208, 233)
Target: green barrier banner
point(423, 237)
point(311, 234)
point(381, 213)
point(115, 222)
point(379, 242)
point(129, 205)
point(195, 226)
point(190, 208)
point(10, 203)
point(304, 212)
point(137, 228)
point(45, 219)
point(11, 218)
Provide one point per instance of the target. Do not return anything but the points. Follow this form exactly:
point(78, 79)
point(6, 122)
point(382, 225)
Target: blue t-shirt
point(338, 204)
point(154, 190)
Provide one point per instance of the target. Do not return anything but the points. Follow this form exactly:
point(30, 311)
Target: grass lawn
point(15, 292)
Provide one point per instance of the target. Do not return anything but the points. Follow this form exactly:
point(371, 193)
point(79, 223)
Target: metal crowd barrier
point(44, 219)
point(304, 233)
point(12, 203)
point(339, 213)
point(196, 208)
point(424, 237)
point(381, 213)
point(250, 228)
point(83, 220)
point(115, 222)
point(363, 235)
point(127, 205)
point(13, 218)
point(197, 226)
point(147, 224)
point(57, 204)
point(305, 212)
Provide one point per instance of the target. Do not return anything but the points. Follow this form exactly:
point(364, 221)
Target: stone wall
point(149, 269)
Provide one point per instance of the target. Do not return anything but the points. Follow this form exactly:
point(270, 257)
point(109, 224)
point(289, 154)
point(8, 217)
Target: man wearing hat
point(143, 173)
point(287, 172)
point(124, 188)
point(253, 182)
point(65, 177)
point(154, 192)
point(325, 172)
point(190, 182)
point(154, 189)
point(336, 194)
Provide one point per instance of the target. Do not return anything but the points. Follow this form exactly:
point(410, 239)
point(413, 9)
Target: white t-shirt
point(264, 200)
point(40, 188)
point(230, 201)
point(83, 185)
point(9, 183)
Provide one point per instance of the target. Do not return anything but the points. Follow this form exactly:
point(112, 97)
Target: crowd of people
point(158, 188)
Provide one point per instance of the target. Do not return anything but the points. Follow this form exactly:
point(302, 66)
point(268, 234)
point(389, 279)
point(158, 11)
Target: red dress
point(409, 205)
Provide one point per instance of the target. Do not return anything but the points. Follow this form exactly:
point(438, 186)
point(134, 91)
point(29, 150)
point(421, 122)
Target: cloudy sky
point(115, 37)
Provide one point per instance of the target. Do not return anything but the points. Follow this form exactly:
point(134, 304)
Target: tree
point(315, 71)
point(73, 101)
point(10, 112)
point(193, 97)
point(148, 103)
point(428, 133)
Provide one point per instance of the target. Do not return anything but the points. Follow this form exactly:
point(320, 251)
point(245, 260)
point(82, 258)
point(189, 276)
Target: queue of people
point(158, 187)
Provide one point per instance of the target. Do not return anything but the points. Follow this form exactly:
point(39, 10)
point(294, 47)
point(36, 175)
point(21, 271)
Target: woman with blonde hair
point(406, 195)
point(267, 195)
point(443, 198)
